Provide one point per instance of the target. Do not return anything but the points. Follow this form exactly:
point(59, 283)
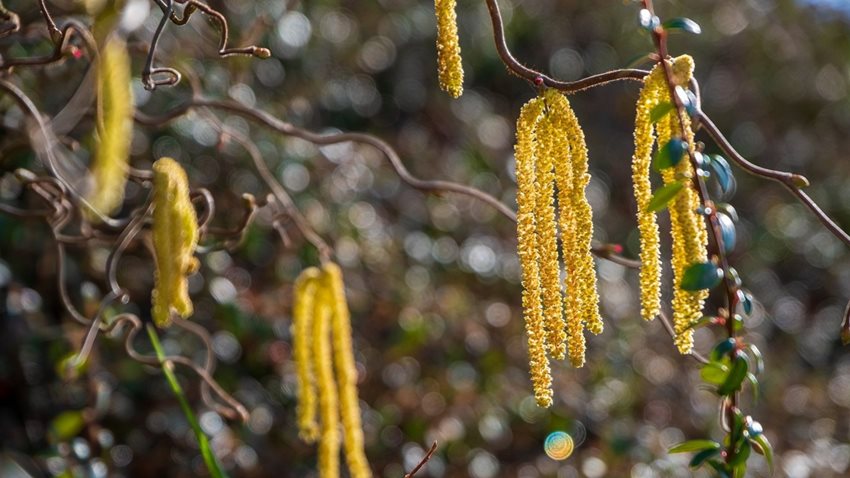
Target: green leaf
point(720, 468)
point(702, 322)
point(670, 154)
point(67, 425)
point(762, 447)
point(659, 111)
point(694, 445)
point(722, 172)
point(741, 455)
point(702, 275)
point(714, 373)
point(727, 232)
point(720, 350)
point(682, 24)
point(664, 195)
point(203, 442)
point(736, 376)
point(754, 383)
point(700, 457)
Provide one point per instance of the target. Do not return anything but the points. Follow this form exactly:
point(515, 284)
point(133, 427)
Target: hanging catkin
point(302, 344)
point(687, 226)
point(346, 374)
point(449, 67)
point(524, 151)
point(550, 151)
point(650, 246)
point(328, 398)
point(325, 355)
point(175, 236)
point(114, 129)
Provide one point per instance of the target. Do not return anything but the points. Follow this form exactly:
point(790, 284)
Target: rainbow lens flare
point(558, 445)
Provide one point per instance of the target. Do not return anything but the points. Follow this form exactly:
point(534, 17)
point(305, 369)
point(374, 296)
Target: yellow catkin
point(328, 399)
point(524, 151)
point(566, 216)
point(449, 67)
point(650, 247)
point(302, 344)
point(547, 241)
point(565, 122)
point(115, 129)
point(346, 374)
point(688, 229)
point(175, 236)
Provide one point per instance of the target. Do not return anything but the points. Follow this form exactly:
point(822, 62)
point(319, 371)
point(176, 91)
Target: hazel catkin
point(449, 66)
point(114, 129)
point(175, 236)
point(551, 160)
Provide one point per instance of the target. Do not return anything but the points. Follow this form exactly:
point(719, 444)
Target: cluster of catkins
point(325, 359)
point(551, 154)
point(551, 161)
point(687, 226)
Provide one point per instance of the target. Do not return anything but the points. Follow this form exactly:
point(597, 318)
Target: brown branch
point(534, 76)
point(423, 461)
point(792, 182)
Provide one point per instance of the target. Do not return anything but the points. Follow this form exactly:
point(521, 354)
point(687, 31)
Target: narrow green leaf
point(694, 445)
point(700, 457)
point(714, 373)
point(659, 111)
point(720, 468)
point(663, 195)
point(702, 275)
point(203, 442)
point(682, 24)
point(736, 376)
point(762, 447)
point(670, 154)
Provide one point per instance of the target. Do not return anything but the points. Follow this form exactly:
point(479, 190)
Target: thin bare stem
point(534, 76)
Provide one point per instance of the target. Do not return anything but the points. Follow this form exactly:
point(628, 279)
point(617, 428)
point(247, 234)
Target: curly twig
point(792, 182)
point(534, 76)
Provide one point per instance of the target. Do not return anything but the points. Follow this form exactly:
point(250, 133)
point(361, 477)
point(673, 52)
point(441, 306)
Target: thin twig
point(533, 76)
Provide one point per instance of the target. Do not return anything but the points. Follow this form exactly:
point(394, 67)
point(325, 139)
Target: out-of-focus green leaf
point(727, 232)
point(67, 425)
point(763, 447)
point(664, 195)
point(703, 275)
point(670, 154)
point(659, 111)
point(700, 457)
point(737, 374)
point(694, 445)
point(714, 373)
point(682, 24)
point(722, 172)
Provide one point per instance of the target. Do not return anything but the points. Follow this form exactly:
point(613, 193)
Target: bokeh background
point(433, 282)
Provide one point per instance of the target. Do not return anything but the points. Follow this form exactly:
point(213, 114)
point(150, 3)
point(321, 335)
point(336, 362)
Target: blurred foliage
point(433, 281)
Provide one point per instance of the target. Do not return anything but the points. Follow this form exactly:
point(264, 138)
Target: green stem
point(203, 442)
